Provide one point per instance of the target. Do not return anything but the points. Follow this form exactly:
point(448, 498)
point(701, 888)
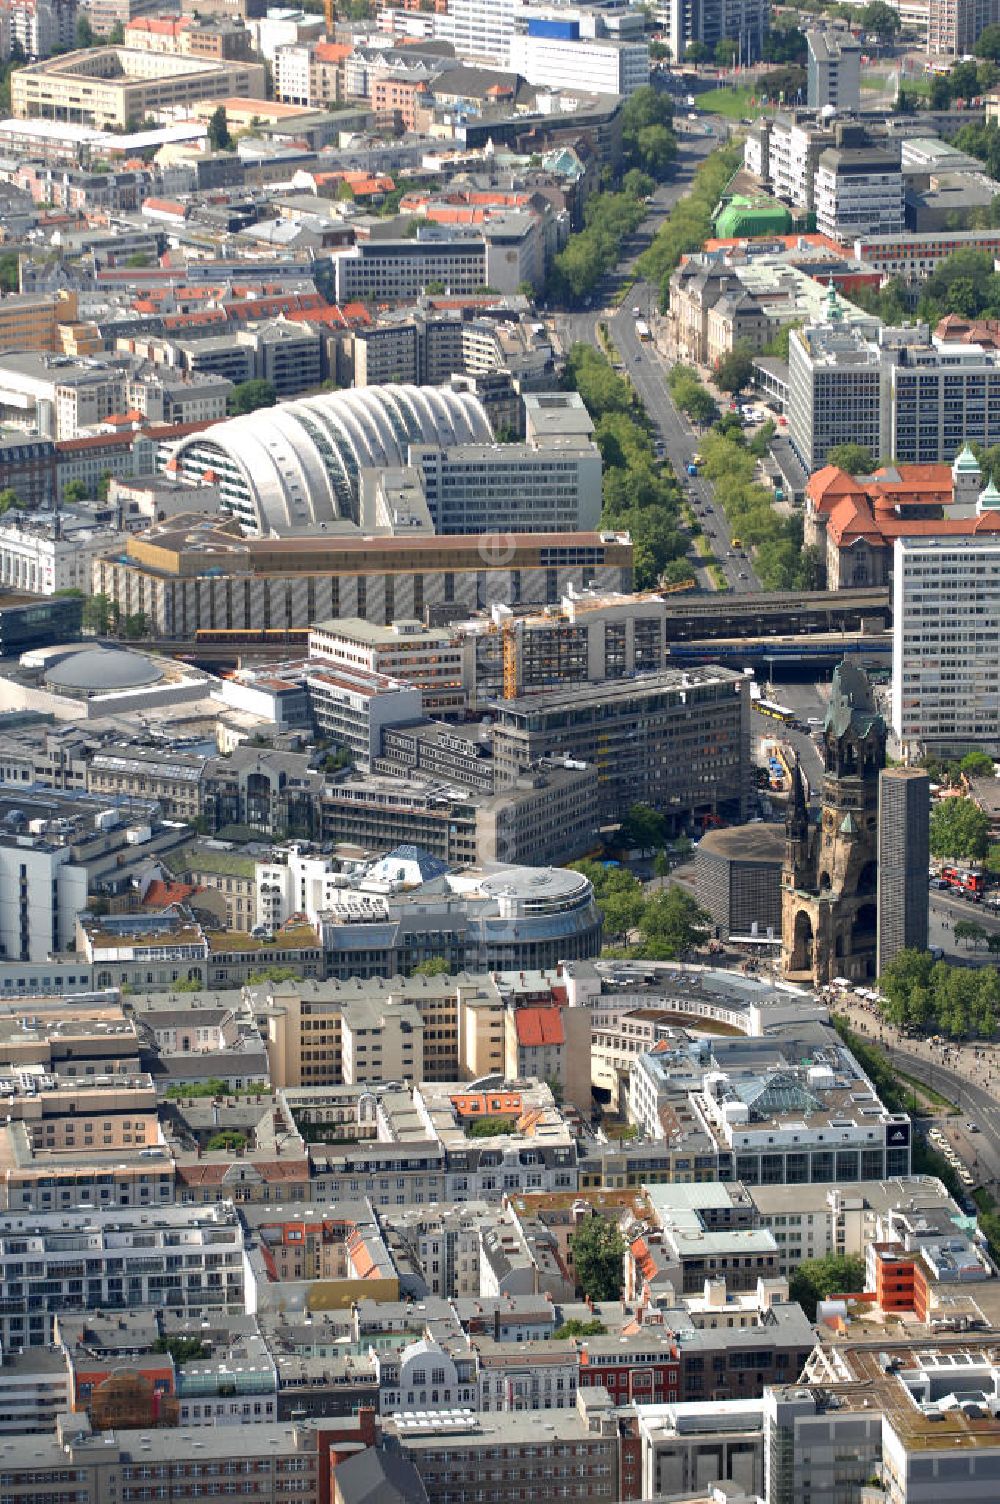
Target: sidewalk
point(979, 1062)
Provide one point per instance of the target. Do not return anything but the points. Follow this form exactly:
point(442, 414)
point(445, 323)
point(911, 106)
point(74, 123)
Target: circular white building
point(297, 464)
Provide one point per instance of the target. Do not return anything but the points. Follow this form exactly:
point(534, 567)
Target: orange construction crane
point(510, 663)
point(331, 19)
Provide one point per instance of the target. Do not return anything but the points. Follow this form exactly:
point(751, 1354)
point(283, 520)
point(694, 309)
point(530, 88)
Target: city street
point(647, 372)
point(645, 368)
point(968, 1076)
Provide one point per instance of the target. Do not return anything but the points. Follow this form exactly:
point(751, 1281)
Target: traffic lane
point(974, 1100)
point(964, 908)
point(679, 446)
point(681, 442)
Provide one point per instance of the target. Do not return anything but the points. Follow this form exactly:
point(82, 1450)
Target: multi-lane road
point(978, 1105)
point(680, 441)
point(646, 371)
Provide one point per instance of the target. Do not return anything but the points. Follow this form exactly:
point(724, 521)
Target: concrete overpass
point(812, 650)
point(695, 618)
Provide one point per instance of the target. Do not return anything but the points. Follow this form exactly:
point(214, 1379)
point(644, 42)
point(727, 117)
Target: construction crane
point(509, 654)
point(510, 664)
point(331, 19)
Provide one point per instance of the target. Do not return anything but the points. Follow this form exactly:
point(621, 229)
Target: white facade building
point(439, 662)
point(594, 65)
point(791, 160)
point(184, 1259)
point(283, 26)
point(60, 396)
point(293, 73)
point(300, 884)
point(859, 191)
point(41, 892)
point(519, 488)
point(478, 29)
point(297, 464)
point(44, 559)
point(35, 1387)
point(709, 21)
point(946, 643)
point(501, 253)
point(351, 707)
point(833, 70)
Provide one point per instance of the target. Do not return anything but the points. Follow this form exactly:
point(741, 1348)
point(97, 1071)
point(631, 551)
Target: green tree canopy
point(959, 829)
point(971, 931)
point(99, 614)
point(977, 765)
point(671, 924)
point(577, 1328)
point(856, 459)
point(230, 1139)
point(726, 51)
point(593, 250)
point(735, 371)
point(248, 396)
point(881, 20)
point(219, 138)
point(182, 1349)
point(648, 142)
point(988, 43)
point(641, 495)
point(918, 992)
point(784, 43)
point(819, 1279)
point(643, 827)
point(436, 966)
point(598, 1250)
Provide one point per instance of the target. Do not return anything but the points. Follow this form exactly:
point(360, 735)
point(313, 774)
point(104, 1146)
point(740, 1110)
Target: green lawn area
point(875, 83)
point(734, 104)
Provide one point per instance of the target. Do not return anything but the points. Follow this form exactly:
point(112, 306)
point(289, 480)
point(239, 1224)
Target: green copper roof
point(990, 497)
point(966, 462)
point(851, 701)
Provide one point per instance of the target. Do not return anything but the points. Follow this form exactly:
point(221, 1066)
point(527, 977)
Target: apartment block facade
point(677, 741)
point(945, 670)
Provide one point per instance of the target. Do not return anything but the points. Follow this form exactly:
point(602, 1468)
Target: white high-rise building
point(946, 641)
point(709, 21)
point(42, 890)
point(478, 29)
point(833, 70)
point(594, 65)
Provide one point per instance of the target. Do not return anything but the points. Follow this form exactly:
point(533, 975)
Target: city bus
point(774, 711)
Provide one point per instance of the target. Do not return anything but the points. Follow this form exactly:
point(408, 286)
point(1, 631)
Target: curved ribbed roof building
point(297, 464)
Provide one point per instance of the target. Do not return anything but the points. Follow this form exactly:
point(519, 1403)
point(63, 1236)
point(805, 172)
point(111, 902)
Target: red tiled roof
point(916, 475)
point(95, 441)
point(165, 206)
point(160, 895)
point(644, 1260)
point(850, 518)
point(829, 483)
point(332, 52)
point(538, 1026)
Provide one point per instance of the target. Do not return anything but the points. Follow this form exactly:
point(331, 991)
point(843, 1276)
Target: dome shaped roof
point(299, 464)
point(92, 670)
